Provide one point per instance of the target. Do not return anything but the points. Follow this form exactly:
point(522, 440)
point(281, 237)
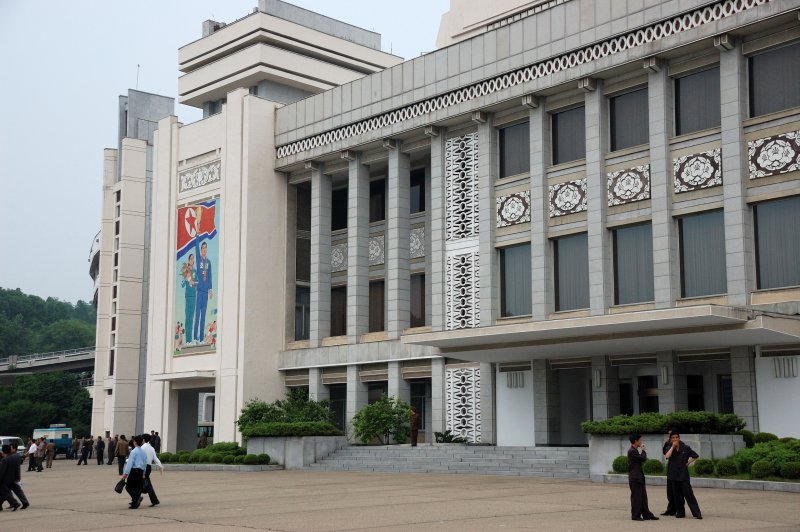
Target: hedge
point(703, 466)
point(263, 459)
point(620, 464)
point(653, 467)
point(655, 423)
point(791, 470)
point(296, 429)
point(726, 467)
point(775, 452)
point(762, 469)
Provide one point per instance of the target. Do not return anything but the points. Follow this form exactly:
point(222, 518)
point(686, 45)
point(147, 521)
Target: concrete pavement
point(68, 497)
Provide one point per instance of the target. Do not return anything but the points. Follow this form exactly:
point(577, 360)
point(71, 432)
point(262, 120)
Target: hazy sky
point(62, 66)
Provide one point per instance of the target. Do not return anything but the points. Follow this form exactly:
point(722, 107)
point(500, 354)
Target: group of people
point(40, 452)
point(136, 471)
point(679, 457)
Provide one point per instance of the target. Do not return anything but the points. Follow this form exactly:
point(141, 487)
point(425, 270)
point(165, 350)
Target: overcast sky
point(62, 66)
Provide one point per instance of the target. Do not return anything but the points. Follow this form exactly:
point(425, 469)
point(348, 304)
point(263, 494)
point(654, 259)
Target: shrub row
point(218, 453)
point(295, 429)
point(655, 423)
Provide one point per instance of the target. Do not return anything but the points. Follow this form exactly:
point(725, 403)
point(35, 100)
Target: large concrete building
point(573, 209)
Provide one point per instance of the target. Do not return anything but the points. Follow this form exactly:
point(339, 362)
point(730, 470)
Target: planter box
point(296, 453)
point(719, 483)
point(603, 449)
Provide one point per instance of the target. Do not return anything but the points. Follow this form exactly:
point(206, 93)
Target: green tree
point(65, 334)
point(386, 419)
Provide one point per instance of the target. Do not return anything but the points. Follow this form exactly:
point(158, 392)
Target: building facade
point(577, 209)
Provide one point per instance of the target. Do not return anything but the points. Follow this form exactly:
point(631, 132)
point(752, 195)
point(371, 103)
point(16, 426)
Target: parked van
point(13, 440)
point(59, 434)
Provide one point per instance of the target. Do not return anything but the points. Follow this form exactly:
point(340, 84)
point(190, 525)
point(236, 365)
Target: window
point(702, 248)
point(116, 228)
point(338, 404)
point(303, 259)
point(116, 259)
point(569, 135)
point(339, 311)
point(629, 120)
point(302, 312)
point(633, 264)
point(417, 185)
point(626, 397)
point(113, 323)
point(114, 292)
point(775, 80)
point(648, 393)
point(376, 306)
point(377, 200)
point(697, 101)
point(303, 217)
point(777, 228)
point(418, 300)
point(118, 196)
point(515, 149)
point(111, 363)
point(695, 393)
point(571, 255)
point(375, 390)
point(725, 392)
point(515, 281)
point(339, 209)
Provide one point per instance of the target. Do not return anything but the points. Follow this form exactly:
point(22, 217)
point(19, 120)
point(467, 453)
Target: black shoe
point(24, 506)
point(668, 513)
point(637, 519)
point(154, 503)
point(698, 516)
point(14, 507)
point(651, 518)
point(680, 516)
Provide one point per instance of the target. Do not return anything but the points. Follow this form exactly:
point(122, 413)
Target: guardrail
point(86, 383)
point(67, 353)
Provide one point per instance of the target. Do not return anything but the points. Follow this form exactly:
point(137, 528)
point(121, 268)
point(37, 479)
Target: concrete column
point(601, 290)
point(398, 278)
point(437, 395)
point(487, 215)
point(436, 239)
point(356, 394)
point(546, 401)
point(672, 395)
point(666, 270)
point(739, 246)
point(398, 386)
point(320, 256)
point(316, 390)
point(357, 250)
point(541, 251)
point(605, 390)
point(488, 417)
point(743, 377)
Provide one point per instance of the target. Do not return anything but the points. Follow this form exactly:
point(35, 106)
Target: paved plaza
point(67, 497)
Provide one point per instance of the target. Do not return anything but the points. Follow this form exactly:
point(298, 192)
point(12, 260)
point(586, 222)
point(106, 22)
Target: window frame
point(502, 260)
point(612, 126)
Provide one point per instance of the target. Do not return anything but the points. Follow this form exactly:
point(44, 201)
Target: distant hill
point(30, 324)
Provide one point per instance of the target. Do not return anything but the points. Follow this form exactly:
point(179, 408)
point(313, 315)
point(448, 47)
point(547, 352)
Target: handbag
point(146, 485)
point(120, 486)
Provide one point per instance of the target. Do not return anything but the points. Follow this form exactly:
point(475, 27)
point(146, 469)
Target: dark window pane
point(417, 184)
point(376, 306)
point(633, 264)
point(648, 393)
point(338, 403)
point(778, 243)
point(725, 392)
point(339, 209)
point(303, 261)
point(572, 272)
point(702, 246)
point(569, 136)
point(375, 390)
point(418, 300)
point(303, 207)
point(515, 149)
point(697, 101)
point(626, 398)
point(377, 200)
point(629, 122)
point(775, 80)
point(695, 393)
point(302, 312)
point(515, 280)
point(339, 311)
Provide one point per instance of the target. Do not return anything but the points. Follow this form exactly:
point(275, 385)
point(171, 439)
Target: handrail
point(53, 354)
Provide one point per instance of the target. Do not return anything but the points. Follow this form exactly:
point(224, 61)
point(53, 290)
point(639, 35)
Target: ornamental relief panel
point(200, 176)
point(774, 155)
point(628, 186)
point(463, 400)
point(462, 291)
point(567, 198)
point(377, 251)
point(698, 171)
point(513, 209)
point(461, 187)
point(339, 257)
point(417, 242)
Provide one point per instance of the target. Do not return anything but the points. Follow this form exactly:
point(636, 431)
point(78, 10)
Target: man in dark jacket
point(86, 445)
point(99, 447)
point(7, 478)
point(670, 501)
point(640, 511)
point(15, 463)
point(679, 457)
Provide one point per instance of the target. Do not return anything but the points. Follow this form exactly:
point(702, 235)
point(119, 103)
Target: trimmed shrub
point(655, 423)
point(653, 467)
point(726, 467)
point(762, 469)
point(184, 458)
point(205, 458)
point(775, 452)
point(263, 459)
point(238, 459)
point(386, 419)
point(703, 466)
point(250, 459)
point(228, 459)
point(222, 447)
point(183, 451)
point(748, 437)
point(787, 439)
point(296, 407)
point(194, 458)
point(620, 464)
point(165, 457)
point(790, 470)
point(293, 430)
point(764, 437)
point(216, 458)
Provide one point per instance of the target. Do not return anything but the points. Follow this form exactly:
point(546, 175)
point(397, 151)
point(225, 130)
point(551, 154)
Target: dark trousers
point(39, 460)
point(670, 501)
point(682, 491)
point(414, 437)
point(84, 456)
point(639, 506)
point(5, 496)
point(31, 462)
point(99, 457)
point(17, 489)
point(151, 492)
point(110, 457)
point(134, 485)
point(121, 463)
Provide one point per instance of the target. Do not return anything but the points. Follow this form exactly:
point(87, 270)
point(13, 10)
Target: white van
point(13, 440)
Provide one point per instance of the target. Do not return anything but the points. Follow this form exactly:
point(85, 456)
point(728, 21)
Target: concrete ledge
point(719, 483)
point(296, 453)
point(242, 468)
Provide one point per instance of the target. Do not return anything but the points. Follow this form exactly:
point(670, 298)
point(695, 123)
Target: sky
point(62, 66)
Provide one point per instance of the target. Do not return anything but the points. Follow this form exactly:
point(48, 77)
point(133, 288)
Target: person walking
point(121, 452)
point(152, 458)
point(50, 452)
point(202, 441)
point(40, 450)
point(134, 472)
point(679, 457)
point(31, 455)
point(85, 446)
point(640, 510)
point(670, 501)
point(15, 463)
point(157, 442)
point(99, 447)
point(112, 447)
point(76, 447)
point(414, 426)
point(7, 478)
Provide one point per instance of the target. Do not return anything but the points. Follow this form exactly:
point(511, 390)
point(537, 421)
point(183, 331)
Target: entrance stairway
point(553, 462)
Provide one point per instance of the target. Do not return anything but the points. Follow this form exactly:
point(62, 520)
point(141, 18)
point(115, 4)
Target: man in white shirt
point(32, 456)
point(152, 458)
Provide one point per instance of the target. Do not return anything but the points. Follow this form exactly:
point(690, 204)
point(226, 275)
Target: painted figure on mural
point(204, 285)
point(189, 284)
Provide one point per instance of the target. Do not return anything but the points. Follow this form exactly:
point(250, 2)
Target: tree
point(296, 407)
point(386, 419)
point(65, 334)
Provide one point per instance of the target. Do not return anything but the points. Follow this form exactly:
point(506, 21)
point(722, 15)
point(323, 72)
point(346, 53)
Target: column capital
point(391, 144)
point(349, 155)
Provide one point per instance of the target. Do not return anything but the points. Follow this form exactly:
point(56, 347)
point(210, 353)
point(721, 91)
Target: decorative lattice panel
point(463, 399)
point(377, 252)
point(200, 176)
point(568, 198)
point(417, 242)
point(339, 257)
point(627, 186)
point(699, 170)
point(513, 209)
point(774, 155)
point(463, 291)
point(461, 187)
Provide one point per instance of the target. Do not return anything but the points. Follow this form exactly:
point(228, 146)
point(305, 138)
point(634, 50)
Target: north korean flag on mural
point(188, 227)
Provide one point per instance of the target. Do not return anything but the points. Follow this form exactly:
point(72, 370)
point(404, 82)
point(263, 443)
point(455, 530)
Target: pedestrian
point(31, 454)
point(670, 502)
point(16, 463)
point(50, 452)
point(157, 443)
point(640, 510)
point(112, 447)
point(40, 450)
point(76, 447)
point(679, 457)
point(7, 478)
point(414, 426)
point(121, 452)
point(134, 472)
point(152, 458)
point(202, 442)
point(99, 447)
